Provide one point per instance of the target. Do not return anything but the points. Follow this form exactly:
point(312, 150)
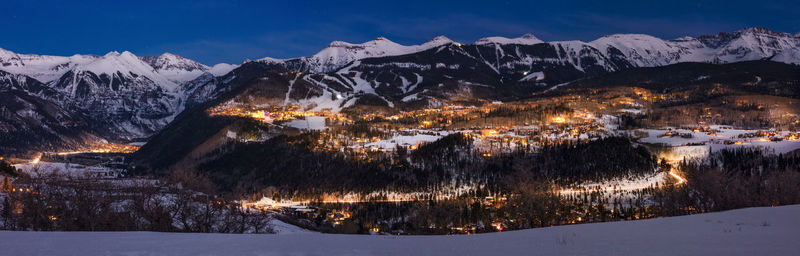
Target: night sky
point(231, 31)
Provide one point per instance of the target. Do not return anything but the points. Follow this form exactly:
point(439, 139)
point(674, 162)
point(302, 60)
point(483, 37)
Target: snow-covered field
point(702, 143)
point(310, 123)
point(753, 231)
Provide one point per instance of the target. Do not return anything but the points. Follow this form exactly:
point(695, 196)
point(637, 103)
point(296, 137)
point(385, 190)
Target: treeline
point(727, 179)
point(290, 165)
point(49, 201)
point(598, 160)
point(731, 179)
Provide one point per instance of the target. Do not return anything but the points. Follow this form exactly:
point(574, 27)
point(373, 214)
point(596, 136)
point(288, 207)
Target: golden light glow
point(675, 175)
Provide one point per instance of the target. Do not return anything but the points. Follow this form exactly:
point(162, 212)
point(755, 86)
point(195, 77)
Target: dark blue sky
point(231, 31)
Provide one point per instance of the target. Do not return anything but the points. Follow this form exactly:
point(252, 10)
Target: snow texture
point(753, 231)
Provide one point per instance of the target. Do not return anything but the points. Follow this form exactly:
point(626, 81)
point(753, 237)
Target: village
point(494, 128)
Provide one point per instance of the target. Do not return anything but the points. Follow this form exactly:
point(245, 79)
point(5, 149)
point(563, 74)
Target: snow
point(43, 68)
point(619, 185)
point(222, 69)
point(527, 39)
point(126, 63)
point(75, 170)
point(742, 45)
point(310, 123)
point(338, 54)
point(536, 76)
point(283, 228)
point(712, 144)
point(752, 231)
point(403, 140)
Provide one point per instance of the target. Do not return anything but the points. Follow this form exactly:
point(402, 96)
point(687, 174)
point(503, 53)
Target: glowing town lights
point(37, 159)
point(261, 115)
point(675, 175)
point(559, 120)
point(103, 148)
point(498, 226)
point(488, 132)
point(583, 115)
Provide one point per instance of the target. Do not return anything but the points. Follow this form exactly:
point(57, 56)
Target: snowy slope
point(125, 96)
point(181, 70)
point(41, 67)
point(644, 50)
point(338, 53)
point(221, 69)
point(753, 231)
point(526, 39)
point(125, 65)
point(175, 68)
point(746, 44)
point(635, 50)
point(45, 68)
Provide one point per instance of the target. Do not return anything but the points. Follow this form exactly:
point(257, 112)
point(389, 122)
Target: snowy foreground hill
point(752, 231)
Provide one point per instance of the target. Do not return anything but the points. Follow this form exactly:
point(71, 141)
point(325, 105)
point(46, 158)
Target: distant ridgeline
point(121, 97)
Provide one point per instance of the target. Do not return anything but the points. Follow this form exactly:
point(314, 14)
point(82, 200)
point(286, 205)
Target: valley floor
point(752, 231)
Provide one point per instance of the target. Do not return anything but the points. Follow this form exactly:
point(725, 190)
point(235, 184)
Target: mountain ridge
point(125, 97)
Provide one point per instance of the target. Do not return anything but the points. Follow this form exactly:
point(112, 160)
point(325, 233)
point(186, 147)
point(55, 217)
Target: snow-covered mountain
point(181, 70)
point(40, 67)
point(46, 68)
point(746, 44)
point(526, 39)
point(386, 73)
point(635, 50)
point(30, 122)
point(124, 96)
point(221, 69)
point(127, 96)
point(338, 54)
point(175, 68)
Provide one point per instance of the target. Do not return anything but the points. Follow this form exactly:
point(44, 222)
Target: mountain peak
point(167, 61)
point(526, 39)
point(339, 44)
point(440, 39)
point(4, 53)
point(111, 53)
point(757, 30)
point(437, 41)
